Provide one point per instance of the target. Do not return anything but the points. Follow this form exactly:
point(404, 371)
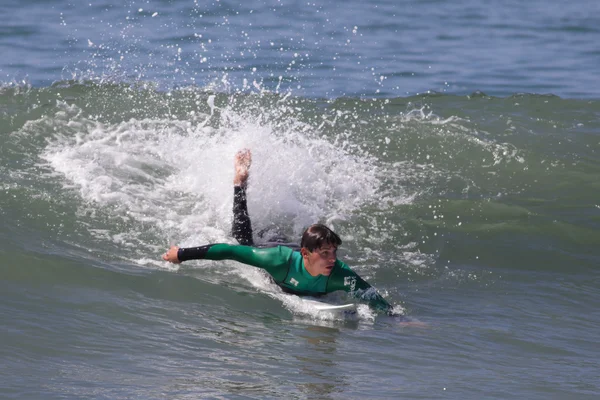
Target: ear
point(304, 252)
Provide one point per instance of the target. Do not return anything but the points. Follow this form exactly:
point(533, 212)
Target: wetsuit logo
point(294, 282)
point(350, 281)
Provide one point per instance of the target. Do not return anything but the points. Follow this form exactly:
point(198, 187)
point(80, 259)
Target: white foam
point(296, 305)
point(169, 181)
point(175, 176)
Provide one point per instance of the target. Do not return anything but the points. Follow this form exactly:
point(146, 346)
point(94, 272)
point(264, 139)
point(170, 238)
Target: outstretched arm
point(273, 259)
point(349, 281)
point(368, 292)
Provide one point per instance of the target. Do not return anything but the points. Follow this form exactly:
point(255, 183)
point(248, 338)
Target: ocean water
point(452, 145)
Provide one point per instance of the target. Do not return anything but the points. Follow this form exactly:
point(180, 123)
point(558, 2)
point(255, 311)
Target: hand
point(171, 255)
point(242, 162)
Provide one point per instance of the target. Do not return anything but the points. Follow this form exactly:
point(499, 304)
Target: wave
point(126, 169)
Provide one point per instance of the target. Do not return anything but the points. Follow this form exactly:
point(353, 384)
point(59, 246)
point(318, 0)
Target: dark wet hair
point(317, 235)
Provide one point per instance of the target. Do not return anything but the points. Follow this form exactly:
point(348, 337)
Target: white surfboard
point(322, 306)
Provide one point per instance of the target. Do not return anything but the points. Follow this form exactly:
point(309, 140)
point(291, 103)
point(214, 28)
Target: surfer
point(311, 269)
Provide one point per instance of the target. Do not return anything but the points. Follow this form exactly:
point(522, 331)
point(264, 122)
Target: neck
point(308, 268)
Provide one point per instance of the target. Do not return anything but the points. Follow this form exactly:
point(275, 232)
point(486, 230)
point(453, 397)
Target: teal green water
point(453, 147)
point(476, 216)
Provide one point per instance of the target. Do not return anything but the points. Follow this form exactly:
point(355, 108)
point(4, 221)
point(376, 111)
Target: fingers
point(244, 157)
point(171, 255)
point(242, 161)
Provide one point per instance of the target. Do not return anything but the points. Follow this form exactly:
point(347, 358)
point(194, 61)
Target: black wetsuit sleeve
point(241, 228)
point(193, 253)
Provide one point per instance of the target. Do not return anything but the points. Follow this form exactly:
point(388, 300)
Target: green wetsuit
point(287, 269)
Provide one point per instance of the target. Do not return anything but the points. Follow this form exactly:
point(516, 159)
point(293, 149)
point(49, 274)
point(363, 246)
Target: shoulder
point(276, 256)
point(342, 269)
point(285, 250)
point(281, 252)
point(342, 277)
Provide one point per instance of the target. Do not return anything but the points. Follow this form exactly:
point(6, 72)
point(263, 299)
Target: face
point(321, 260)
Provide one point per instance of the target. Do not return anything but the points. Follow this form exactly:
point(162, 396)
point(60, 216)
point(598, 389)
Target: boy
point(310, 270)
